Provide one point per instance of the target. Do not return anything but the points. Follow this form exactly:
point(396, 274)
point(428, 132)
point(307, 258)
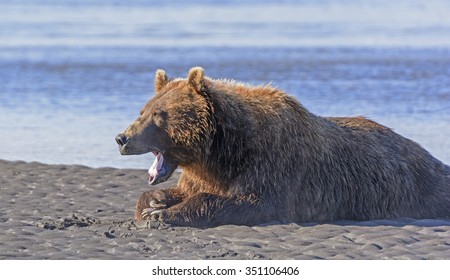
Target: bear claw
point(156, 214)
point(146, 213)
point(154, 209)
point(157, 205)
point(151, 213)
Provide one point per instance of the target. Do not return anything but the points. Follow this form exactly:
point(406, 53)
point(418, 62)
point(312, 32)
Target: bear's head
point(176, 124)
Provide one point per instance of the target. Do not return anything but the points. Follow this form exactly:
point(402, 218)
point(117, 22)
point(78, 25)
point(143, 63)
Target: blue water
point(73, 74)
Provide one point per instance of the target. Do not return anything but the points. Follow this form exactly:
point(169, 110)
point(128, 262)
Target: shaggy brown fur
point(252, 155)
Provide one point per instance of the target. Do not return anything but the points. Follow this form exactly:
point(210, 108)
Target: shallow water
point(74, 75)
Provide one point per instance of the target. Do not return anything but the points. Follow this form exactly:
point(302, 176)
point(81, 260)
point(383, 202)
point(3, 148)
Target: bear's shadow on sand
point(82, 221)
point(400, 222)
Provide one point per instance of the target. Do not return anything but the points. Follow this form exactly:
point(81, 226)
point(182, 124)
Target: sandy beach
point(77, 212)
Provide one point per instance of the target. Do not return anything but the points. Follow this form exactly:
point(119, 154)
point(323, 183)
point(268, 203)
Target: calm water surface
point(74, 75)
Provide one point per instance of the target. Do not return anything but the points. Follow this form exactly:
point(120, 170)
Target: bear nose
point(121, 139)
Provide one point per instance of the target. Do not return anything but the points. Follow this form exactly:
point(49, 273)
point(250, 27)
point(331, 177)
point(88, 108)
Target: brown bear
point(253, 154)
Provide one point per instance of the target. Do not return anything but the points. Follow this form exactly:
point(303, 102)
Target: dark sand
point(76, 212)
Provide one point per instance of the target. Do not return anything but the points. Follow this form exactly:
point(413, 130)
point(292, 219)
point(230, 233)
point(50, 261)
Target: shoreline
point(78, 212)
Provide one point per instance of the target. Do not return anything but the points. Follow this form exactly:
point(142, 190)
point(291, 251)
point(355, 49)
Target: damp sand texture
point(76, 212)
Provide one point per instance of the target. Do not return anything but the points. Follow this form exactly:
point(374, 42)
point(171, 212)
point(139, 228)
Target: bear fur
point(253, 154)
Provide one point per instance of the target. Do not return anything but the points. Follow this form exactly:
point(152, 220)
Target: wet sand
point(76, 212)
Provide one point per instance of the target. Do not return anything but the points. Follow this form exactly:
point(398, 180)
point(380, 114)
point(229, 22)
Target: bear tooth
point(160, 162)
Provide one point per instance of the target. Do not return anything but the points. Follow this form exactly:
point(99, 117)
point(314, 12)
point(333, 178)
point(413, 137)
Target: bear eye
point(158, 113)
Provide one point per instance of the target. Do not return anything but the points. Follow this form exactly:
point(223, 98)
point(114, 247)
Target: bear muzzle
point(159, 171)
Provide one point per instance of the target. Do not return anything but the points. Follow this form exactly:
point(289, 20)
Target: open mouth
point(159, 170)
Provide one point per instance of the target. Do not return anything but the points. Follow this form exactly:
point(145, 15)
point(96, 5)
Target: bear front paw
point(153, 212)
point(150, 201)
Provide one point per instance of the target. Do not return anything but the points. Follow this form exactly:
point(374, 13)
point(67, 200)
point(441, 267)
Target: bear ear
point(160, 80)
point(195, 79)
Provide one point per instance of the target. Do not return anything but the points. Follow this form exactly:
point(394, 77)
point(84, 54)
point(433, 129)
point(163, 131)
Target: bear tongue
point(156, 167)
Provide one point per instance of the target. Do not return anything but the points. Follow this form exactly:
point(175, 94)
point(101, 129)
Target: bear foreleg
point(210, 210)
